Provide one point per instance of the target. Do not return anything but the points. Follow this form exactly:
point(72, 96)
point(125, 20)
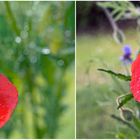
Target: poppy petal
point(8, 99)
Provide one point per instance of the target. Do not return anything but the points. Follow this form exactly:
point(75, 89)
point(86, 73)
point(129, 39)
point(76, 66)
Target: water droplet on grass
point(45, 51)
point(17, 39)
point(60, 62)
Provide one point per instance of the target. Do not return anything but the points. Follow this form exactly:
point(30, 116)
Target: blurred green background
point(97, 91)
point(37, 55)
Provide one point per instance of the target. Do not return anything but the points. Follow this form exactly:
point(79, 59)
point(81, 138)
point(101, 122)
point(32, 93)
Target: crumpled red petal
point(135, 79)
point(8, 99)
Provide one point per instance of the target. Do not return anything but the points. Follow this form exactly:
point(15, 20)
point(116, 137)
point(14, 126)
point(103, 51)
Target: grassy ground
point(96, 92)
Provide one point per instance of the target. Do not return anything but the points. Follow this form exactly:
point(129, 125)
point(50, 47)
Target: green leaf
point(118, 75)
point(125, 99)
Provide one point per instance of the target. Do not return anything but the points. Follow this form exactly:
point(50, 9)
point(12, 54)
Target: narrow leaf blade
point(125, 99)
point(118, 75)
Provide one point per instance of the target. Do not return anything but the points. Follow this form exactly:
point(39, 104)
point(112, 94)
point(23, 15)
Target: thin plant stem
point(125, 123)
point(110, 18)
point(12, 18)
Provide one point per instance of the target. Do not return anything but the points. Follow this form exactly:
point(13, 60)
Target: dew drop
point(33, 59)
point(60, 62)
point(45, 51)
point(17, 39)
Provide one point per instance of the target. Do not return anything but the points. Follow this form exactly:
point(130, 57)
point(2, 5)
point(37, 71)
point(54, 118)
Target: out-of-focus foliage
point(37, 52)
point(125, 11)
point(115, 100)
point(96, 91)
point(121, 10)
point(128, 117)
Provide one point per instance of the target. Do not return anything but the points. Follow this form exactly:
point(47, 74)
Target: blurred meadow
point(97, 91)
point(37, 54)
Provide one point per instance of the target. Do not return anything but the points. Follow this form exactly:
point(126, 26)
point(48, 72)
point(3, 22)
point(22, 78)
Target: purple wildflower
point(126, 58)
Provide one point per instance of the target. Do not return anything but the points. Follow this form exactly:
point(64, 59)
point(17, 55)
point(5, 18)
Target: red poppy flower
point(8, 99)
point(135, 79)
